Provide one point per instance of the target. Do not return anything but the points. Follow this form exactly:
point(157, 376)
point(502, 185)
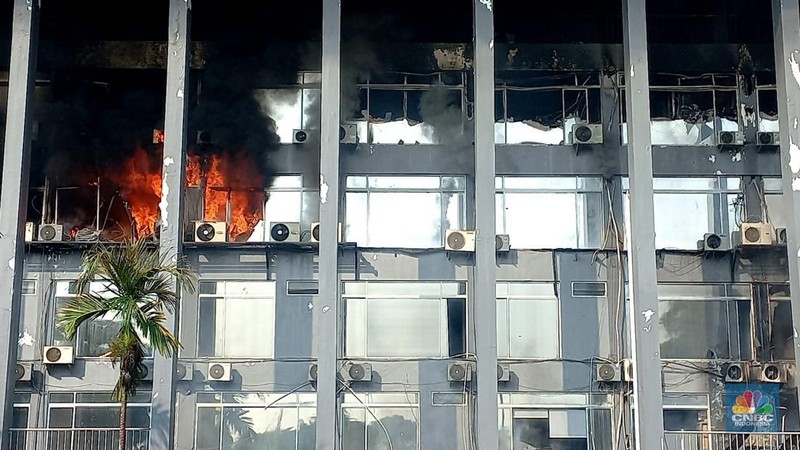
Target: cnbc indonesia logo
point(753, 409)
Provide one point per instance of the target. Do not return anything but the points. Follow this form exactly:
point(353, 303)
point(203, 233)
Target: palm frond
point(83, 307)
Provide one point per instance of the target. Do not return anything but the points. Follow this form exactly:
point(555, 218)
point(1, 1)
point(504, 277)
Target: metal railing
point(720, 440)
point(76, 439)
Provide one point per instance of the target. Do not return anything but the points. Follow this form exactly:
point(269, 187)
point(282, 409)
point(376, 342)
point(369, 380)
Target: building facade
point(469, 225)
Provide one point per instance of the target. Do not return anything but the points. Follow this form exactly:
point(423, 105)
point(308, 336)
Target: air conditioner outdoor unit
point(502, 243)
point(203, 137)
point(713, 242)
point(459, 372)
point(219, 372)
point(184, 371)
point(608, 372)
point(730, 138)
point(503, 372)
point(51, 233)
point(357, 372)
point(23, 371)
point(773, 373)
point(460, 240)
point(348, 133)
point(30, 231)
point(627, 370)
point(299, 136)
point(780, 236)
point(58, 355)
point(756, 233)
point(736, 372)
point(147, 371)
point(284, 232)
point(768, 138)
point(312, 372)
point(210, 231)
point(584, 133)
point(315, 232)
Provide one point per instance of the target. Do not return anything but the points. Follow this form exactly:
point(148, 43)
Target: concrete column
point(162, 424)
point(326, 305)
point(14, 195)
point(645, 351)
point(485, 253)
point(785, 26)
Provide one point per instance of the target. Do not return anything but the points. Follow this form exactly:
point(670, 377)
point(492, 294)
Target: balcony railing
point(76, 439)
point(719, 440)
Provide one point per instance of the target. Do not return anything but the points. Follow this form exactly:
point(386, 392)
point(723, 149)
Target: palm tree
point(138, 292)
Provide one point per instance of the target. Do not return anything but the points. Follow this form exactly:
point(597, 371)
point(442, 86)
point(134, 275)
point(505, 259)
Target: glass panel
point(541, 183)
point(356, 217)
point(526, 229)
point(283, 207)
point(533, 328)
point(356, 182)
point(690, 291)
point(354, 433)
point(61, 418)
point(97, 417)
point(209, 422)
point(682, 219)
point(221, 323)
point(685, 184)
point(535, 433)
point(695, 330)
point(19, 417)
point(404, 182)
point(410, 328)
point(684, 419)
point(287, 182)
point(405, 220)
point(782, 331)
point(285, 107)
point(399, 425)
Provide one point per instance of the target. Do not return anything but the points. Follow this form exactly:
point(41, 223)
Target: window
point(94, 336)
point(404, 319)
point(705, 321)
point(403, 211)
point(256, 420)
point(773, 207)
point(573, 206)
point(527, 320)
point(380, 421)
point(287, 200)
point(529, 428)
point(688, 208)
point(236, 319)
point(22, 405)
point(294, 107)
point(780, 323)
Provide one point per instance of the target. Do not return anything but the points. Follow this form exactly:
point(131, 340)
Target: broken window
point(405, 319)
point(688, 208)
point(535, 428)
point(517, 304)
point(222, 332)
point(704, 321)
point(773, 208)
point(767, 109)
point(780, 322)
point(256, 420)
point(574, 211)
point(380, 421)
point(403, 211)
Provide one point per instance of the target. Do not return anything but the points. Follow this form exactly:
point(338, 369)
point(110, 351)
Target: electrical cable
point(388, 437)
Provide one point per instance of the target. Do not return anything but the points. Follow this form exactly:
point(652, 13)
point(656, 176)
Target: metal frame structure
point(646, 354)
point(785, 25)
point(14, 195)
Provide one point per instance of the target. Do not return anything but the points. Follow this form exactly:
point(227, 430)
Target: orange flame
point(140, 183)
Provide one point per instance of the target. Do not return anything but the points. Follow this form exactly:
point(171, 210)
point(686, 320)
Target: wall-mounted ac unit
point(315, 232)
point(219, 372)
point(713, 242)
point(584, 133)
point(730, 138)
point(357, 372)
point(503, 372)
point(210, 231)
point(780, 236)
point(313, 370)
point(23, 371)
point(768, 139)
point(203, 137)
point(608, 372)
point(459, 372)
point(184, 371)
point(773, 373)
point(51, 233)
point(627, 370)
point(756, 233)
point(736, 372)
point(30, 231)
point(299, 136)
point(460, 241)
point(348, 133)
point(502, 243)
point(58, 355)
point(284, 232)
point(147, 371)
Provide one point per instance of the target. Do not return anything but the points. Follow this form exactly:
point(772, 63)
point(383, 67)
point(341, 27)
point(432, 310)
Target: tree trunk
point(123, 418)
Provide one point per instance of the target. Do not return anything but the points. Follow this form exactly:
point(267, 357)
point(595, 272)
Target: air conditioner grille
point(456, 241)
point(205, 232)
point(356, 372)
point(606, 372)
point(19, 372)
point(53, 354)
point(279, 232)
point(752, 234)
point(47, 232)
point(457, 372)
point(216, 371)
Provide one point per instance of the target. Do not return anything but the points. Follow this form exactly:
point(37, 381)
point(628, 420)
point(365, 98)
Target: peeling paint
point(168, 161)
point(310, 306)
point(326, 308)
point(712, 158)
point(795, 123)
point(450, 58)
point(491, 44)
point(11, 263)
point(648, 315)
point(748, 116)
point(163, 205)
point(736, 156)
point(323, 190)
point(632, 71)
point(795, 67)
point(25, 339)
point(794, 156)
point(796, 184)
point(487, 4)
point(180, 93)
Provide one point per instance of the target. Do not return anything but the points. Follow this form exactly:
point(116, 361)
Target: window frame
point(132, 403)
point(556, 286)
point(375, 401)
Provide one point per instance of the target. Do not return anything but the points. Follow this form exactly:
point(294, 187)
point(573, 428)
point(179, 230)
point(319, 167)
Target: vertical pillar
point(14, 195)
point(648, 418)
point(785, 26)
point(162, 425)
point(326, 305)
point(485, 253)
